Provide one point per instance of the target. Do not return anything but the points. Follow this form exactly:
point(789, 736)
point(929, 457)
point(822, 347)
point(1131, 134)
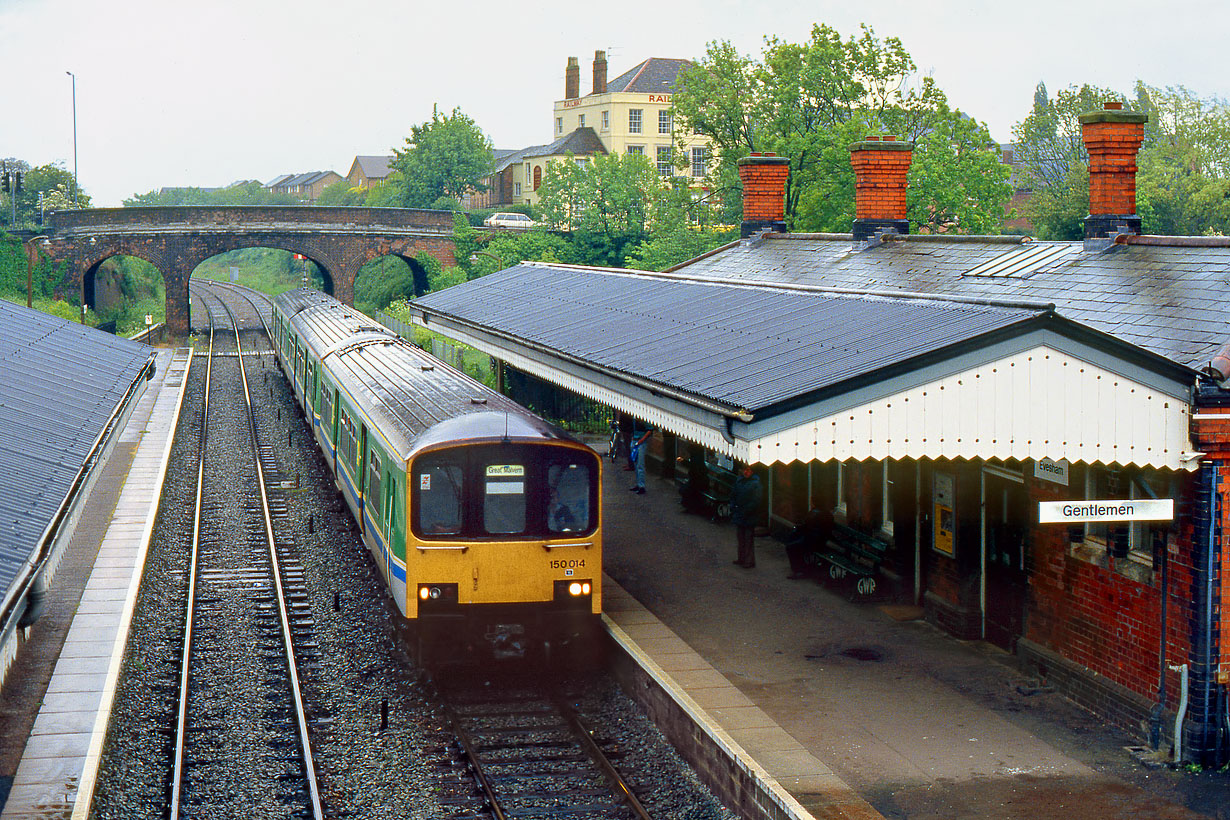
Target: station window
point(580, 120)
point(516, 189)
point(664, 161)
point(1133, 546)
point(699, 160)
point(666, 122)
point(634, 120)
point(636, 150)
point(606, 120)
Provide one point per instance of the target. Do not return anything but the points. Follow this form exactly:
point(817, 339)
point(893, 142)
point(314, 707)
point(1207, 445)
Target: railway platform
point(863, 709)
point(54, 720)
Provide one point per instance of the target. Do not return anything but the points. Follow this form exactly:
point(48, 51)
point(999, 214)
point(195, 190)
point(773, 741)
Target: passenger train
point(483, 519)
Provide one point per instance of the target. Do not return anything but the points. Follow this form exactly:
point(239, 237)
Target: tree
point(1183, 164)
point(447, 156)
point(808, 102)
point(340, 193)
point(53, 183)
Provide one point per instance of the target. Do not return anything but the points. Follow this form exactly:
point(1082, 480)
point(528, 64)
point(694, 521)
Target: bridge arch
point(177, 239)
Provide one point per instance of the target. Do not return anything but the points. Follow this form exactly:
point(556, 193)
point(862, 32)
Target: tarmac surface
point(921, 725)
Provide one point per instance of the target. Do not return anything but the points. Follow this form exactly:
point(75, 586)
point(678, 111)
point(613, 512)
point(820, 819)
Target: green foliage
point(382, 281)
point(670, 246)
point(611, 194)
point(808, 102)
point(242, 193)
point(479, 253)
point(1183, 181)
point(51, 181)
point(447, 156)
point(340, 193)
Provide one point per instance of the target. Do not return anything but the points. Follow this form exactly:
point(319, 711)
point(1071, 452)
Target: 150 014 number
point(575, 563)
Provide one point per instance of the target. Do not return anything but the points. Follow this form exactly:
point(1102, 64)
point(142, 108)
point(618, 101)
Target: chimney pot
point(572, 79)
point(880, 166)
point(1112, 137)
point(599, 72)
point(764, 178)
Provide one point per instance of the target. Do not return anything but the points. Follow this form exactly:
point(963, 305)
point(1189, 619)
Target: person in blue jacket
point(745, 514)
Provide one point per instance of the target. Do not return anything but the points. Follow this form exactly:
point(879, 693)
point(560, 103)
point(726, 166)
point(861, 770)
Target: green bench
point(854, 555)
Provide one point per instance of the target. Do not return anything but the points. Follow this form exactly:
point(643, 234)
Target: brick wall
point(764, 190)
point(1112, 137)
point(880, 168)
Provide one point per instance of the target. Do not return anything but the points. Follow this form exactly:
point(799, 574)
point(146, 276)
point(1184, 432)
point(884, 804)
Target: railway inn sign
point(1132, 509)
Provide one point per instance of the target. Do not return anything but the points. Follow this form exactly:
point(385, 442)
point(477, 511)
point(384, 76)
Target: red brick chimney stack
point(1112, 138)
point(764, 192)
point(599, 72)
point(572, 79)
point(880, 167)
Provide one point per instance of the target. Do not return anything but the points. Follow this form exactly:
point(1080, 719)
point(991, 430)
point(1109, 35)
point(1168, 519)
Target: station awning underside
point(775, 374)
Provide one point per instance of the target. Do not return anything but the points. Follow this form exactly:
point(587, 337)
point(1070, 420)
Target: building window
point(581, 162)
point(666, 122)
point(537, 176)
point(559, 125)
point(527, 172)
point(516, 189)
point(580, 121)
point(664, 161)
point(638, 150)
point(699, 158)
point(634, 120)
point(606, 120)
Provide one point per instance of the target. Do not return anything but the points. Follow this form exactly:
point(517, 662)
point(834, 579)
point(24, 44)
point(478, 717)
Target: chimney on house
point(572, 79)
point(1112, 138)
point(764, 193)
point(880, 167)
point(599, 72)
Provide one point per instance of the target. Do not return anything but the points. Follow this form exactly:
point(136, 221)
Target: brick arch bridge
point(177, 239)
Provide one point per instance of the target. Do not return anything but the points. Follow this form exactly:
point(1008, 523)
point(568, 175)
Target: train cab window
point(568, 490)
point(504, 498)
point(440, 499)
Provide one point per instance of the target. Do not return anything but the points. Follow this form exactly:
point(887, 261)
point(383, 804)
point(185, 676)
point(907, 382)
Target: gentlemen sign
point(1131, 509)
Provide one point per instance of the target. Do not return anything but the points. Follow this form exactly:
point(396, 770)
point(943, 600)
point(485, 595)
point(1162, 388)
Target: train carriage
point(483, 519)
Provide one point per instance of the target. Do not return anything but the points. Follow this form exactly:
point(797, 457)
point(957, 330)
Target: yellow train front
point(483, 519)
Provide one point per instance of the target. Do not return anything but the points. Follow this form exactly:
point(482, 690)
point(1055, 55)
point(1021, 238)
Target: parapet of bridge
point(175, 240)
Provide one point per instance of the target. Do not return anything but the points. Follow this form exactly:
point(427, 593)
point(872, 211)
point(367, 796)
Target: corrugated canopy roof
point(769, 363)
point(59, 384)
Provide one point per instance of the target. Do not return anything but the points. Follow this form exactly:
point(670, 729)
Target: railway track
point(243, 733)
point(520, 750)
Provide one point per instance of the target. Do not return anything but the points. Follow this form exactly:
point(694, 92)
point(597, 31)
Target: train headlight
point(577, 588)
point(442, 593)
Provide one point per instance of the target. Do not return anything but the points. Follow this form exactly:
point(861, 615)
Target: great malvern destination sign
point(1131, 509)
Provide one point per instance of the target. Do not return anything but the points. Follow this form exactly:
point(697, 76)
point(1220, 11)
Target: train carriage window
point(347, 439)
point(373, 495)
point(440, 496)
point(326, 409)
point(504, 498)
point(568, 498)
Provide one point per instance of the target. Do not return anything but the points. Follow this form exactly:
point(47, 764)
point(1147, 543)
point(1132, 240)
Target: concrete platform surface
point(919, 724)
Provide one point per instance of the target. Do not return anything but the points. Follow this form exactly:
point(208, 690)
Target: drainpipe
point(1205, 730)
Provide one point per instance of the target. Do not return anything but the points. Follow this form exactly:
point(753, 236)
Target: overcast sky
point(171, 93)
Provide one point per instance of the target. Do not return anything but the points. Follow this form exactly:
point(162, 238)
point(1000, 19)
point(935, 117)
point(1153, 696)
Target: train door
point(361, 459)
point(1006, 511)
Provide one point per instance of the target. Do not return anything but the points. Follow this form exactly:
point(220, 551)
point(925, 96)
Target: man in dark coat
point(745, 514)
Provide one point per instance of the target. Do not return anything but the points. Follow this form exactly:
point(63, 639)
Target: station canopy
point(60, 384)
point(774, 373)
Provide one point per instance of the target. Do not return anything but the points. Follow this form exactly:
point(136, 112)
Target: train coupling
point(507, 641)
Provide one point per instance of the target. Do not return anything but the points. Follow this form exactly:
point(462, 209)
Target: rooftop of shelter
point(1168, 296)
point(61, 383)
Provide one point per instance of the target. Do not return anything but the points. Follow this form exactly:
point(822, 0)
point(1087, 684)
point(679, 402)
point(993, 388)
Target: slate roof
point(656, 75)
point(374, 167)
point(582, 141)
point(59, 383)
point(1168, 299)
point(744, 346)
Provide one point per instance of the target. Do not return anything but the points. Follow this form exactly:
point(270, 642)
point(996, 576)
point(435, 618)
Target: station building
point(933, 391)
point(631, 114)
point(66, 392)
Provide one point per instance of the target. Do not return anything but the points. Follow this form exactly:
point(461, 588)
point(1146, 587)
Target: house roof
point(777, 373)
point(581, 142)
point(372, 167)
point(60, 382)
point(1167, 299)
point(655, 75)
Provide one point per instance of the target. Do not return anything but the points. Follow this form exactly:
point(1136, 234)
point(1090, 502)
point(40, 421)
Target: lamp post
point(76, 184)
point(474, 257)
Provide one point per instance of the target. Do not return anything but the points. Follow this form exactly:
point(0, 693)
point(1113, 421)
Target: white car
point(510, 220)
